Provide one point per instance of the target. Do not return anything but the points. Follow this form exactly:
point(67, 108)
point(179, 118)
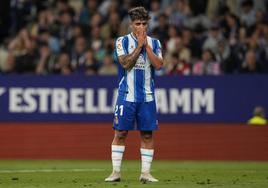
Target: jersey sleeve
point(120, 47)
point(159, 49)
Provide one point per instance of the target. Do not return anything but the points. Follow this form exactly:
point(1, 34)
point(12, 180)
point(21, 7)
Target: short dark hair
point(259, 111)
point(138, 13)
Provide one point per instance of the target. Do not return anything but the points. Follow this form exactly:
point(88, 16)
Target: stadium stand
point(77, 36)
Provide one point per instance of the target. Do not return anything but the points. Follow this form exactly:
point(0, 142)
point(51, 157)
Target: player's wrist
point(140, 46)
point(147, 47)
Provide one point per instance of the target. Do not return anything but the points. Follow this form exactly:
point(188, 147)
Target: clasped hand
point(142, 38)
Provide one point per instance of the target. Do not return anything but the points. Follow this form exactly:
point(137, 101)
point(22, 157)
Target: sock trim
point(147, 155)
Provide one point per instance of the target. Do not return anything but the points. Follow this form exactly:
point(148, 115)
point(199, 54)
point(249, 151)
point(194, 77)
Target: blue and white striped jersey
point(136, 85)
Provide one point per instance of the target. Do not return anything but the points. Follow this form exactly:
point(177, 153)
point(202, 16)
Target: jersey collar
point(133, 36)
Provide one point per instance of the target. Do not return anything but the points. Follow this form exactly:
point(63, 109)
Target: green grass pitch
point(172, 174)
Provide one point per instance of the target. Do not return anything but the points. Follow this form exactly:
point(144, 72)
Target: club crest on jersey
point(119, 46)
point(140, 64)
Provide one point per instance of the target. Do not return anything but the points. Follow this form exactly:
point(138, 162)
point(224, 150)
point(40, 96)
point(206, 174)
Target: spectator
point(46, 60)
point(231, 30)
point(160, 31)
point(178, 66)
point(88, 11)
point(24, 50)
point(77, 53)
point(65, 30)
point(108, 66)
point(20, 14)
point(207, 66)
point(173, 36)
point(62, 65)
point(213, 38)
point(112, 28)
point(52, 42)
point(42, 30)
point(90, 64)
point(46, 22)
point(227, 59)
point(20, 43)
point(251, 65)
point(95, 21)
point(258, 117)
point(9, 64)
point(107, 7)
point(247, 15)
point(179, 13)
point(97, 43)
point(263, 42)
point(154, 13)
point(253, 44)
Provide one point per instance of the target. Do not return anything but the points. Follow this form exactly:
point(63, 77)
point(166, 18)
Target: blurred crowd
point(199, 37)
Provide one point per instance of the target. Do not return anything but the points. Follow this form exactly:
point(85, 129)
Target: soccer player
point(138, 56)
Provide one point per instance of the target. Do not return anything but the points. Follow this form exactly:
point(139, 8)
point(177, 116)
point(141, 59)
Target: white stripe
point(130, 74)
point(51, 170)
point(121, 81)
point(147, 84)
point(130, 83)
point(159, 52)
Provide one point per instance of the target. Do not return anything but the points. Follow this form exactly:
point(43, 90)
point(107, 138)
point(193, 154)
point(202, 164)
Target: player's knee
point(147, 136)
point(121, 135)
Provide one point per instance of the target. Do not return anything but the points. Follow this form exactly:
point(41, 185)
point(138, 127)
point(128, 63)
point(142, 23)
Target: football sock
point(146, 159)
point(117, 155)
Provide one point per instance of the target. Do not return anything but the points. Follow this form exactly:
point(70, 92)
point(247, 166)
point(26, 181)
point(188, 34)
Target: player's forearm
point(155, 61)
point(129, 61)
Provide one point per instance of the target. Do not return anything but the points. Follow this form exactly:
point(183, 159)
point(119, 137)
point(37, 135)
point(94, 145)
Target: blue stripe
point(125, 44)
point(135, 72)
point(143, 85)
point(121, 73)
point(119, 67)
point(146, 57)
point(152, 81)
point(139, 82)
point(125, 84)
point(147, 155)
point(144, 93)
point(125, 47)
point(117, 151)
point(134, 85)
point(155, 45)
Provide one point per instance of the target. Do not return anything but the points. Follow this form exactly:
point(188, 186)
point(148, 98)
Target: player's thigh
point(124, 115)
point(147, 116)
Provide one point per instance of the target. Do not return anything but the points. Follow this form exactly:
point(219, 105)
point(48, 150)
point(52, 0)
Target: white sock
point(146, 160)
point(117, 155)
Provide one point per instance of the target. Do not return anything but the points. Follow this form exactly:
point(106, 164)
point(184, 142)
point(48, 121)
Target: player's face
point(139, 25)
